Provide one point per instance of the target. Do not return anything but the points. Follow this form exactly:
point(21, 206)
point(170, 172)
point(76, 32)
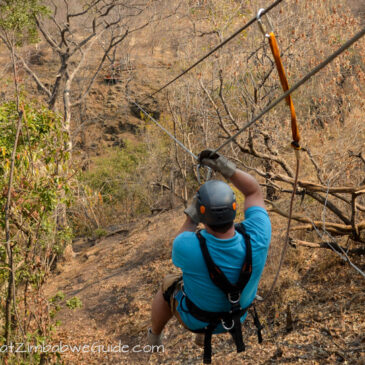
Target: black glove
point(192, 212)
point(217, 162)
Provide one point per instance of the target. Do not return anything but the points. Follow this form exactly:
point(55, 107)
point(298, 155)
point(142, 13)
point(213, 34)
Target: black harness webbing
point(230, 320)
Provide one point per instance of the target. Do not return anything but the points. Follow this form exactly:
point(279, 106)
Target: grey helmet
point(216, 203)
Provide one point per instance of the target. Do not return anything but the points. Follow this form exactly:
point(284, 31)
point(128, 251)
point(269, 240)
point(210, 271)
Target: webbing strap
point(284, 83)
point(246, 270)
point(257, 323)
point(207, 357)
point(295, 144)
point(214, 318)
point(217, 275)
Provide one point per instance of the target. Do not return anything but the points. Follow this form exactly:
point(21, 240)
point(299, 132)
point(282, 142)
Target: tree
point(232, 87)
point(33, 238)
point(83, 36)
point(31, 144)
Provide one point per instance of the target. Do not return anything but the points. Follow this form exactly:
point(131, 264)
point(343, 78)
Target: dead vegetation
point(315, 315)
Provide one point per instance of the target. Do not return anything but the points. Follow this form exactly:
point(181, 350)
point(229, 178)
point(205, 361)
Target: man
point(214, 206)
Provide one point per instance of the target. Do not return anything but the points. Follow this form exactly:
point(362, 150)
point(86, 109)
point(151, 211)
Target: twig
point(11, 293)
point(323, 244)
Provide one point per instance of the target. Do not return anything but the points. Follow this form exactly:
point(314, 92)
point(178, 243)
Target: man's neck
point(223, 236)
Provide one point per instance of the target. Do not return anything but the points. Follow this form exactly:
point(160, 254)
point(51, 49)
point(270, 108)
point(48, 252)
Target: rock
point(127, 127)
point(68, 253)
point(111, 129)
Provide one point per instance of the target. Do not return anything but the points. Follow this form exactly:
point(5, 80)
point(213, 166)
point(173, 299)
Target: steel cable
point(164, 129)
point(348, 44)
point(235, 34)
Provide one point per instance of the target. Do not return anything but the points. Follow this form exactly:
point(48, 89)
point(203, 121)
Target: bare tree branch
point(34, 76)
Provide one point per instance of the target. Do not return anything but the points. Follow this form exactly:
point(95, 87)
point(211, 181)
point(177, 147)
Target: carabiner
point(234, 301)
point(198, 173)
point(261, 24)
point(224, 325)
point(209, 173)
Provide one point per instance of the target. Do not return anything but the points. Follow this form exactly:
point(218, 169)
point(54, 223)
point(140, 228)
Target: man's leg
point(160, 314)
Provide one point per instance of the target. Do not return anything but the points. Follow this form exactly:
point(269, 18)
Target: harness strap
point(246, 271)
point(257, 323)
point(207, 357)
point(210, 317)
point(236, 333)
point(231, 321)
point(217, 275)
point(232, 318)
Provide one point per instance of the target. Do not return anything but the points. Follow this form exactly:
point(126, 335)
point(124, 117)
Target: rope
point(295, 143)
point(349, 43)
point(235, 34)
point(286, 241)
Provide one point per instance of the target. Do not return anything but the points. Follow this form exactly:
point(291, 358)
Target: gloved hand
point(192, 212)
point(217, 162)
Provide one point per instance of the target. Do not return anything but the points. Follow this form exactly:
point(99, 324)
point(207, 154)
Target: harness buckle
point(234, 301)
point(224, 325)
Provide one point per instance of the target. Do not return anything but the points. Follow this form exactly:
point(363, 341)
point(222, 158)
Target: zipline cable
point(165, 130)
point(348, 44)
point(209, 170)
point(235, 34)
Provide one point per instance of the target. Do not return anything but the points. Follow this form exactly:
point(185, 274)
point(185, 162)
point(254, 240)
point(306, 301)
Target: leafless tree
point(241, 80)
point(83, 36)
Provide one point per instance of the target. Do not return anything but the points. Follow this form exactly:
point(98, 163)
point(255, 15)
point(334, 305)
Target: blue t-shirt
point(229, 255)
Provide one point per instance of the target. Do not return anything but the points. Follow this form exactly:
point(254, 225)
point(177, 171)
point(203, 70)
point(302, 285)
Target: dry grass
point(116, 277)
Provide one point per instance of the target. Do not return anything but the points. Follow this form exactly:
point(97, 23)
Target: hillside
point(117, 277)
point(127, 183)
point(314, 317)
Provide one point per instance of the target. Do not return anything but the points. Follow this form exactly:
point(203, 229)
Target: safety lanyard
point(294, 128)
point(282, 75)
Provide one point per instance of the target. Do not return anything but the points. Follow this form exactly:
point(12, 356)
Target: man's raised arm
point(244, 182)
point(249, 187)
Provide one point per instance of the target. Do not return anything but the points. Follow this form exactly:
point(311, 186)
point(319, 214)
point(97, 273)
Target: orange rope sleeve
point(284, 82)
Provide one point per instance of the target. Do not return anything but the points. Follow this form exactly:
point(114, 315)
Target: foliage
point(74, 303)
point(113, 189)
point(18, 17)
point(40, 185)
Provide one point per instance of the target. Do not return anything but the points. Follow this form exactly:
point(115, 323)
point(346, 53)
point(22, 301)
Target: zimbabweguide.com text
point(95, 347)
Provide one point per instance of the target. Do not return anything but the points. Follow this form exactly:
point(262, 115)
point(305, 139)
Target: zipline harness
point(231, 320)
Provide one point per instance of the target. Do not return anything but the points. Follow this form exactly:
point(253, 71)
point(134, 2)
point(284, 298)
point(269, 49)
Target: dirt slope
point(117, 277)
point(318, 296)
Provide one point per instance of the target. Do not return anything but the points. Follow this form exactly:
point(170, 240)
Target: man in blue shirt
point(214, 206)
